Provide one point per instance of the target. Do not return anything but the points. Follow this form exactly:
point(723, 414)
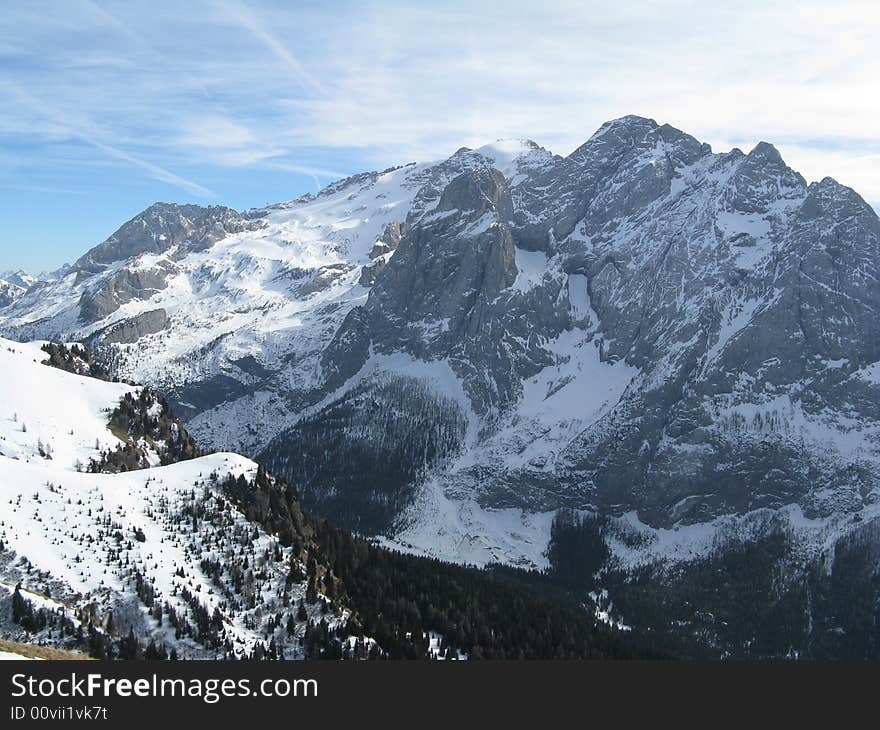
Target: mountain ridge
point(641, 327)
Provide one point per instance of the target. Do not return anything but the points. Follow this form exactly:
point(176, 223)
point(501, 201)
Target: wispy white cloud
point(240, 13)
point(72, 125)
point(227, 142)
point(154, 170)
point(313, 88)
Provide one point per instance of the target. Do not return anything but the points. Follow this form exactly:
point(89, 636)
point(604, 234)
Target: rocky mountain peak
point(762, 179)
point(629, 125)
point(631, 136)
point(766, 153)
point(460, 255)
point(163, 226)
point(829, 197)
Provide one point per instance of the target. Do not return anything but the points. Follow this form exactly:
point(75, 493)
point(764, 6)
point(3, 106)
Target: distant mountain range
point(14, 284)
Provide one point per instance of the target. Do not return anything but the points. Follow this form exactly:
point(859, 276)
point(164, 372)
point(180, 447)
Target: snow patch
point(530, 269)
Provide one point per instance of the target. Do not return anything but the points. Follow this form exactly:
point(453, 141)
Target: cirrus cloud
point(219, 100)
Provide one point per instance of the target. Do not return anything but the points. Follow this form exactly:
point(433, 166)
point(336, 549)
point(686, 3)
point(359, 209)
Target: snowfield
point(65, 413)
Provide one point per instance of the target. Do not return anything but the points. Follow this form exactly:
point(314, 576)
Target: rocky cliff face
point(164, 226)
point(674, 337)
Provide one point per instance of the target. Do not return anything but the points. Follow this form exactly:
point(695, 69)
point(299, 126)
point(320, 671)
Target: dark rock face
point(131, 330)
point(205, 394)
point(120, 289)
point(348, 351)
point(388, 242)
point(446, 293)
point(448, 269)
point(604, 176)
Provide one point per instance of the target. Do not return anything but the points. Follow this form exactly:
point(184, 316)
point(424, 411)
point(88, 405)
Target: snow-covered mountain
point(159, 552)
point(13, 284)
point(19, 278)
point(449, 352)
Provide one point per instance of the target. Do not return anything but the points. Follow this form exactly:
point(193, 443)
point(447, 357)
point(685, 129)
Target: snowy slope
point(64, 414)
point(80, 543)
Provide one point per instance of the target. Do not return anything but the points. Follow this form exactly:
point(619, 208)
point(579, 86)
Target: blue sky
point(106, 106)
